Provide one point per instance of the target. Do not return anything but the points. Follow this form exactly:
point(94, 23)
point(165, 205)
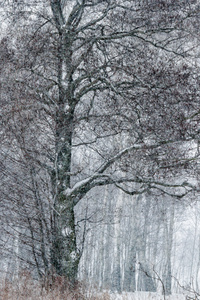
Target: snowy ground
point(146, 296)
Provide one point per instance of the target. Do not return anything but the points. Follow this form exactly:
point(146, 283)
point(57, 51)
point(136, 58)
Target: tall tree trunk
point(168, 230)
point(65, 256)
point(130, 270)
point(146, 281)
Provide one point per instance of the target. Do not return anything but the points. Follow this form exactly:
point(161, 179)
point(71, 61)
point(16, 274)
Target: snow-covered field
point(146, 296)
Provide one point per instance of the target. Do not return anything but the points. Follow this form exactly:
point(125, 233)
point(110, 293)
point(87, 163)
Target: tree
point(77, 78)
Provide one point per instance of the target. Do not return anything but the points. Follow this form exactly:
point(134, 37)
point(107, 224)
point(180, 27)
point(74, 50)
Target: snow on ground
point(146, 296)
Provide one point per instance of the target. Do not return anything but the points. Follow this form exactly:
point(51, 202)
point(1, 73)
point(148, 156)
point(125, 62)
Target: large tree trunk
point(65, 256)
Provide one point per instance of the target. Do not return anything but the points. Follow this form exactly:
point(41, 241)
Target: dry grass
point(25, 288)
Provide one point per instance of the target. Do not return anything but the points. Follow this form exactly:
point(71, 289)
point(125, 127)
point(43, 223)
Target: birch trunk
point(168, 231)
